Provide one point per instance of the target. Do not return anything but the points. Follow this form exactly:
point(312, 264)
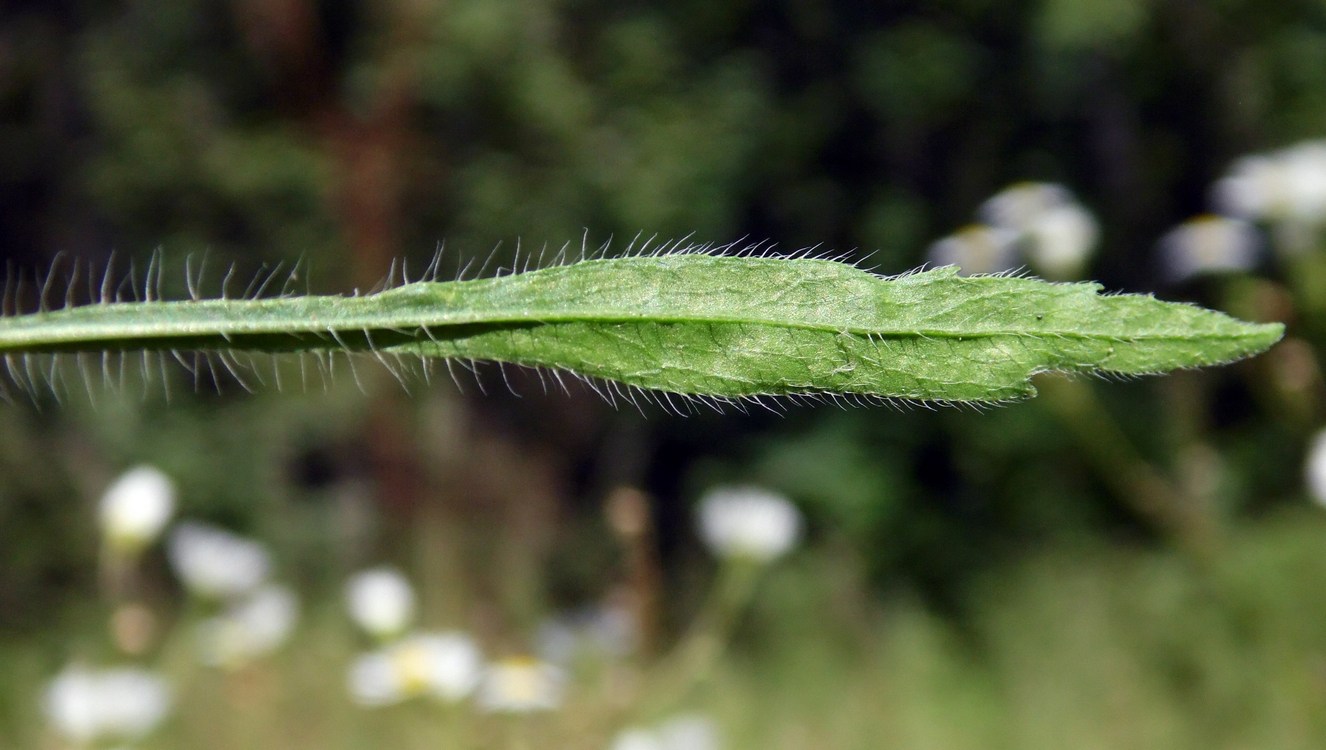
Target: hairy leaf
point(723, 327)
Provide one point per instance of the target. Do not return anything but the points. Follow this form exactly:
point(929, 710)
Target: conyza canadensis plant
point(680, 326)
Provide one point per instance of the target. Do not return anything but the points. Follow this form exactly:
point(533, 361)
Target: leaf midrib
point(279, 318)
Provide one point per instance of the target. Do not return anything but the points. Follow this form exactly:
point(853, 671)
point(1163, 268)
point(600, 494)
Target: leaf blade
point(726, 327)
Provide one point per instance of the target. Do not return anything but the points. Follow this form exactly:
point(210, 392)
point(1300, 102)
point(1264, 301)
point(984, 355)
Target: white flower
point(636, 739)
point(1314, 469)
point(1288, 185)
point(136, 508)
point(606, 630)
point(1209, 244)
point(89, 706)
point(748, 522)
point(1305, 168)
point(1252, 189)
point(441, 665)
point(215, 563)
point(1021, 204)
point(521, 685)
point(689, 732)
point(252, 627)
point(977, 249)
point(686, 732)
point(1060, 240)
point(380, 601)
point(1039, 219)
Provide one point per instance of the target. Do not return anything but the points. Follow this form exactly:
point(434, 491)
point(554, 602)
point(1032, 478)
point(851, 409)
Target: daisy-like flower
point(635, 738)
point(89, 706)
point(380, 601)
point(135, 508)
point(977, 249)
point(607, 630)
point(251, 628)
point(214, 563)
point(1057, 234)
point(444, 665)
point(686, 732)
point(1314, 468)
point(521, 685)
point(689, 732)
point(748, 522)
point(1254, 188)
point(1209, 244)
point(1060, 241)
point(1288, 185)
point(1305, 165)
point(1021, 204)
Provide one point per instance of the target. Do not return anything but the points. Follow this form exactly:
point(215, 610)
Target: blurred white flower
point(1314, 469)
point(88, 706)
point(635, 739)
point(214, 563)
point(1208, 244)
point(1060, 240)
point(1288, 185)
point(380, 601)
point(251, 628)
point(977, 249)
point(606, 630)
point(748, 522)
point(686, 732)
point(442, 665)
point(689, 732)
point(1254, 188)
point(135, 508)
point(1022, 204)
point(1305, 165)
point(521, 685)
point(1045, 220)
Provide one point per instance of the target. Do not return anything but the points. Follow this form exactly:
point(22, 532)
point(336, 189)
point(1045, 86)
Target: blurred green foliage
point(1086, 645)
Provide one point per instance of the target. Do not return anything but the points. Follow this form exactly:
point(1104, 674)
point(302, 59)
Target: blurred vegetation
point(1113, 565)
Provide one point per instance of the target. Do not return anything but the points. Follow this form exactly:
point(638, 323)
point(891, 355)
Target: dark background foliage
point(346, 135)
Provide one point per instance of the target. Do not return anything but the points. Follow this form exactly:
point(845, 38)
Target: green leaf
point(714, 326)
